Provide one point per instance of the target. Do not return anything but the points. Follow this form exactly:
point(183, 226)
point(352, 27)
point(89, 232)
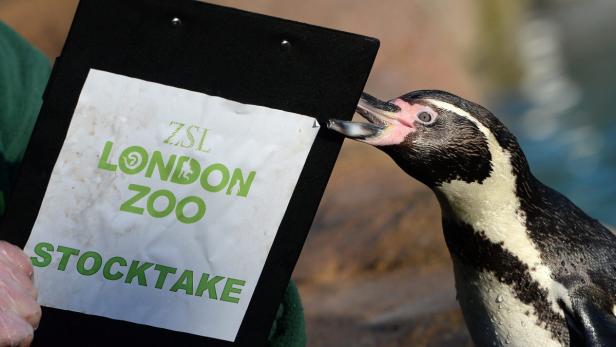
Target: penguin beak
point(381, 115)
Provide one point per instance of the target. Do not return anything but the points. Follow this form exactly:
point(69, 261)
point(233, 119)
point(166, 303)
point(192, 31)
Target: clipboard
point(242, 57)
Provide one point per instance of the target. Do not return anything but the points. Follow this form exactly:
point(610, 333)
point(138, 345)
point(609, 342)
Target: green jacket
point(23, 75)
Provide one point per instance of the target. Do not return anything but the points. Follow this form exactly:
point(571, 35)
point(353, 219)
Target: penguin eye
point(424, 117)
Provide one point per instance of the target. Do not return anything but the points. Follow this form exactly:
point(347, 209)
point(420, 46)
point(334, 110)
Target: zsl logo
point(185, 136)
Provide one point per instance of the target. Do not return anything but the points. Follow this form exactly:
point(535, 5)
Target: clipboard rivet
point(285, 45)
point(176, 22)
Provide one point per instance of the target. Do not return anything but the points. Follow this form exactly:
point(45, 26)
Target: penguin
point(530, 267)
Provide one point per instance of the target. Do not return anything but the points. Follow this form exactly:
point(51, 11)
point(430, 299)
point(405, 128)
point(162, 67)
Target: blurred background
point(375, 270)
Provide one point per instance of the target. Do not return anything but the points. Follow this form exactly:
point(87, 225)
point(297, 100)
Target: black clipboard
point(241, 56)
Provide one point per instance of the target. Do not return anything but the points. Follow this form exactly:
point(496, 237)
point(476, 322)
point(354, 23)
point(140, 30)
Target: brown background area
point(375, 270)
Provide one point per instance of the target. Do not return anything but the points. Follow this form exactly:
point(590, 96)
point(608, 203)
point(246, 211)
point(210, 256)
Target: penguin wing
point(591, 325)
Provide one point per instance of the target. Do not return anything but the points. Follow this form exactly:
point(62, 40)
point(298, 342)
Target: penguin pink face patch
point(394, 133)
point(403, 123)
point(389, 123)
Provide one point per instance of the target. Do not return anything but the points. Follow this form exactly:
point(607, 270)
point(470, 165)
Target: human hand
point(19, 311)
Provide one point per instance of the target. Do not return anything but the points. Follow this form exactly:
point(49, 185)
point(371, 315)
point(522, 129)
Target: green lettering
point(179, 211)
point(138, 271)
point(42, 249)
point(163, 271)
point(223, 181)
point(185, 283)
point(103, 163)
point(96, 263)
point(179, 126)
point(200, 148)
point(186, 171)
point(107, 268)
point(209, 285)
point(230, 289)
point(170, 203)
point(244, 184)
point(128, 205)
point(133, 160)
point(191, 138)
point(164, 169)
point(67, 252)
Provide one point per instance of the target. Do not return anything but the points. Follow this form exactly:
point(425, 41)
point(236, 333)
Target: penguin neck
point(495, 199)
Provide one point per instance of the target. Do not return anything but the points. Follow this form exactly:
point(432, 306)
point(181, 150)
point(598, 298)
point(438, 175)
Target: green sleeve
point(23, 76)
point(289, 329)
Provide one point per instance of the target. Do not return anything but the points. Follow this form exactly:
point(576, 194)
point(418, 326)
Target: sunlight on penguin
point(530, 267)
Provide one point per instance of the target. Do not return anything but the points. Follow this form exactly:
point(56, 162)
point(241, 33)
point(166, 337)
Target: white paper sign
point(163, 205)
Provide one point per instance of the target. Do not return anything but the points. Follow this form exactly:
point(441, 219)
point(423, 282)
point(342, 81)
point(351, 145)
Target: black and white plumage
point(531, 268)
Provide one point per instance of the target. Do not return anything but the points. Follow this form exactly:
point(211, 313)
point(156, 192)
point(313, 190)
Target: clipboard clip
point(285, 45)
point(176, 22)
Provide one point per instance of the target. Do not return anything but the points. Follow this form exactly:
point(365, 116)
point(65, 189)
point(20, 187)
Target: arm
point(23, 75)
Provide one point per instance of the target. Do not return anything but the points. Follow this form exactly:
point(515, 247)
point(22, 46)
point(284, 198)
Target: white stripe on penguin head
point(494, 208)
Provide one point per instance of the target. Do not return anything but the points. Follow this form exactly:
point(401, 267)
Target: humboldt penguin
point(531, 268)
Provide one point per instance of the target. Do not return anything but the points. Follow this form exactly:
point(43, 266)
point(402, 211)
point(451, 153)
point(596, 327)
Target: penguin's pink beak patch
point(385, 125)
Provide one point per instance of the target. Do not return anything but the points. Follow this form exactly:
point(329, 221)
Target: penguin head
point(435, 136)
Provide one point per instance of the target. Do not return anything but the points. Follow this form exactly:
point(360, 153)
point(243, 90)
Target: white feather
point(493, 207)
point(493, 314)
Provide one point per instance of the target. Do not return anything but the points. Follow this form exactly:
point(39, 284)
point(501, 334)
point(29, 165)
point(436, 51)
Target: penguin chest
point(496, 317)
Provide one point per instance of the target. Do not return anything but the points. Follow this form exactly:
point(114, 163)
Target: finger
point(11, 254)
point(14, 330)
point(15, 299)
point(13, 275)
